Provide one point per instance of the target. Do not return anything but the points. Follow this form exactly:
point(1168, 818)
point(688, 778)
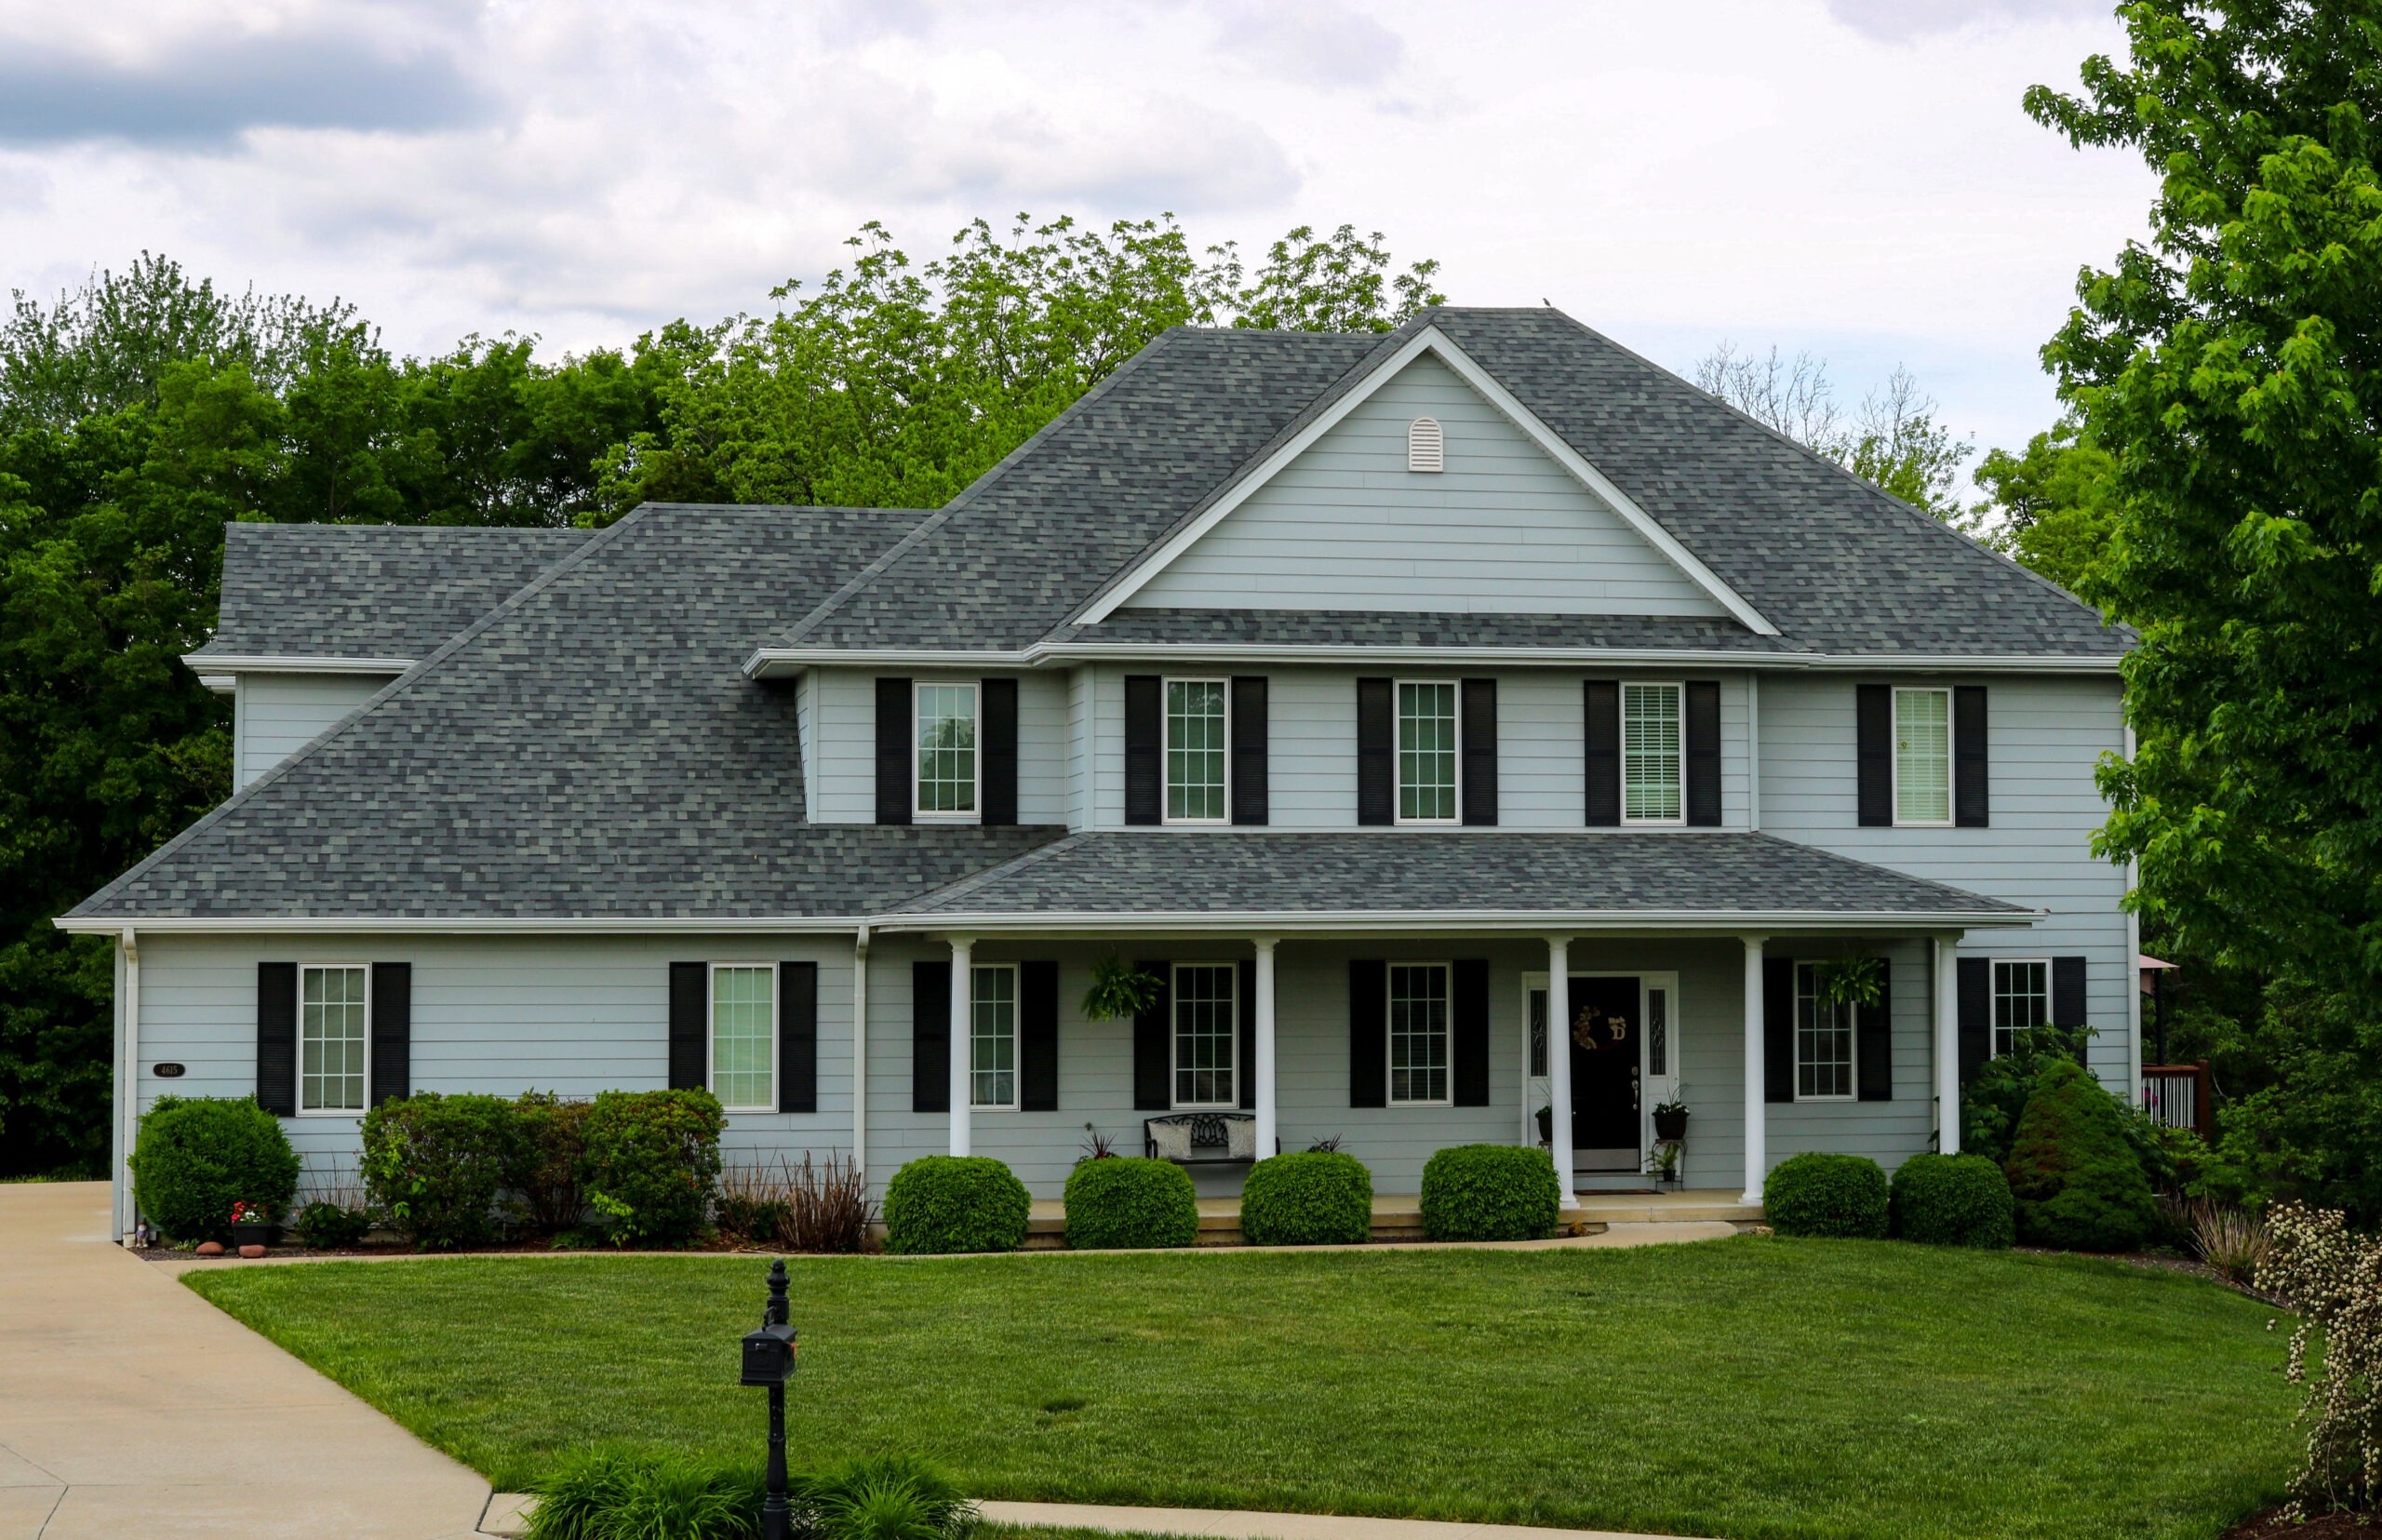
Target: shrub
point(1120, 1201)
point(1818, 1194)
point(643, 1494)
point(433, 1163)
point(749, 1202)
point(955, 1203)
point(2229, 1239)
point(651, 1157)
point(330, 1226)
point(2079, 1183)
point(196, 1157)
point(1490, 1192)
point(885, 1497)
point(554, 1143)
point(1953, 1201)
point(1312, 1197)
point(2332, 1279)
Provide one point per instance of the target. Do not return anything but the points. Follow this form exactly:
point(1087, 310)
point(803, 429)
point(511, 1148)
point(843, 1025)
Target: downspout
point(860, 1051)
point(127, 1214)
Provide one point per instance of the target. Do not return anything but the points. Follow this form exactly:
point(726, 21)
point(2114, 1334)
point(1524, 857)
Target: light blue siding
point(273, 715)
point(1501, 529)
point(839, 745)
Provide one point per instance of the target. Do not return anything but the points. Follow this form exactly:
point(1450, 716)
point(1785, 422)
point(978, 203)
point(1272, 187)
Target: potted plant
point(1662, 1162)
point(252, 1224)
point(1118, 992)
point(1670, 1120)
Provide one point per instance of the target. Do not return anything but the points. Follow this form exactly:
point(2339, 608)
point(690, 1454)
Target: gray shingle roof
point(1341, 628)
point(589, 749)
point(369, 590)
point(1286, 872)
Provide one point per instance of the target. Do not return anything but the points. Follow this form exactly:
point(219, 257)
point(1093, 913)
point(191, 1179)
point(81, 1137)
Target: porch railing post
point(1756, 1108)
point(1559, 1064)
point(963, 1040)
point(1264, 1068)
point(1947, 1045)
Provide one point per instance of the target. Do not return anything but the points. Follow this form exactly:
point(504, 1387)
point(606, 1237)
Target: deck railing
point(2177, 1096)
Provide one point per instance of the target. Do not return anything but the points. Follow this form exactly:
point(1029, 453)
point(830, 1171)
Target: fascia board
point(276, 663)
point(417, 925)
point(782, 662)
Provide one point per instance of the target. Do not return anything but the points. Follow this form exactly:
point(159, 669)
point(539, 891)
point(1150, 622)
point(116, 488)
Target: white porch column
point(860, 1051)
point(1947, 1044)
point(1757, 1109)
point(1558, 1062)
point(1264, 1068)
point(963, 1022)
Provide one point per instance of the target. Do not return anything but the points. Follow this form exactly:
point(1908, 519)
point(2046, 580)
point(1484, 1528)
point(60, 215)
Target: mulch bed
point(526, 1248)
point(2332, 1526)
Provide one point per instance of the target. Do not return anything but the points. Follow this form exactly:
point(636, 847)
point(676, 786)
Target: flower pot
point(1670, 1125)
point(256, 1235)
point(1547, 1125)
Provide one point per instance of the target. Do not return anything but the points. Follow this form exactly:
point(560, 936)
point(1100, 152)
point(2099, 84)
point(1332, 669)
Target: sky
point(1850, 178)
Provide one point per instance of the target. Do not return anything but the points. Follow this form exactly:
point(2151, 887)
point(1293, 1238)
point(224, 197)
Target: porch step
point(1398, 1216)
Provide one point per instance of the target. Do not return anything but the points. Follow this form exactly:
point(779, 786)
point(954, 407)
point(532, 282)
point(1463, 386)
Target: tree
point(1895, 442)
point(2050, 507)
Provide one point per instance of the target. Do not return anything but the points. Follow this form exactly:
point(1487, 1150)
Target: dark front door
point(1604, 1072)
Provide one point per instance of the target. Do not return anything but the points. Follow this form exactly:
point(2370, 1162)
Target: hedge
point(1310, 1198)
point(648, 1161)
point(1126, 1202)
point(1953, 1201)
point(196, 1157)
point(1818, 1194)
point(2078, 1181)
point(1490, 1192)
point(435, 1163)
point(955, 1203)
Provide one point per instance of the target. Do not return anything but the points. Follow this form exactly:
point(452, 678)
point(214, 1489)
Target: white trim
point(284, 663)
point(975, 813)
point(1993, 966)
point(1678, 698)
point(1753, 754)
point(1166, 747)
point(779, 662)
point(1851, 1034)
point(1945, 959)
point(1174, 1035)
point(710, 1032)
point(1397, 754)
point(1016, 1036)
point(297, 1044)
point(128, 1083)
point(860, 1050)
point(1429, 340)
point(1951, 757)
point(1447, 1032)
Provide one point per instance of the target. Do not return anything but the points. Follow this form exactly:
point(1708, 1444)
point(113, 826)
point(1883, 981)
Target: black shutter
point(391, 1031)
point(1702, 754)
point(1247, 1025)
point(797, 1037)
point(1975, 987)
point(997, 734)
point(1778, 1029)
point(1145, 750)
point(1469, 1034)
point(1603, 706)
point(1368, 1034)
point(1154, 1046)
point(2067, 993)
point(1971, 802)
point(893, 748)
point(1873, 747)
point(1038, 1037)
point(1376, 755)
point(1480, 735)
point(1873, 1043)
point(689, 996)
point(930, 1037)
point(277, 1037)
point(1249, 790)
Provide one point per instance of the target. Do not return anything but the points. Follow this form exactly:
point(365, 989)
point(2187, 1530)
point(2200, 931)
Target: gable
point(1503, 530)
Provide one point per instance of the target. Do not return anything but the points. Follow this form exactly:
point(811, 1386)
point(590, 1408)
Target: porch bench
point(1201, 1138)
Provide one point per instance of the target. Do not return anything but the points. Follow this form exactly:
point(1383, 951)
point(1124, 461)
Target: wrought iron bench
point(1201, 1138)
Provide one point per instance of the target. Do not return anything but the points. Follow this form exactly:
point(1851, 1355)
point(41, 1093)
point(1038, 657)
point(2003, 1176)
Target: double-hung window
point(333, 1038)
point(1196, 729)
point(2020, 998)
point(1823, 1041)
point(1427, 751)
point(745, 1035)
point(1922, 757)
point(991, 1037)
point(1418, 1034)
point(1207, 1035)
point(946, 767)
point(1653, 754)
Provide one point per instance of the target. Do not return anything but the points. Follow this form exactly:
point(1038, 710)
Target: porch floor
point(1398, 1216)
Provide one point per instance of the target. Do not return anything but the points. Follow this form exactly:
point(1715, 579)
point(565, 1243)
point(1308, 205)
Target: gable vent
point(1423, 445)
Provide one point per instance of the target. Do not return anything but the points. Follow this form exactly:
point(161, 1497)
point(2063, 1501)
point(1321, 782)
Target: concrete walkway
point(130, 1406)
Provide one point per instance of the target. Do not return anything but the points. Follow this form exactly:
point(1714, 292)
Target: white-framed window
point(1654, 754)
point(1197, 734)
point(1207, 1034)
point(334, 1037)
point(1822, 1042)
point(1922, 757)
point(1419, 1051)
point(745, 1035)
point(991, 1037)
point(2020, 998)
point(1428, 760)
point(945, 714)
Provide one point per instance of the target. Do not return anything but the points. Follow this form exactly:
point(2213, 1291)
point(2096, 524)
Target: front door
point(1605, 1041)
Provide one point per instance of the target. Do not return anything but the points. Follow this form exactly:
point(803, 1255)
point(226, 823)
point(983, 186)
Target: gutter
point(786, 662)
point(280, 662)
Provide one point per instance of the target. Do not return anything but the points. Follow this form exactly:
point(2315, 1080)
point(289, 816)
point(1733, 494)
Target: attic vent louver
point(1423, 445)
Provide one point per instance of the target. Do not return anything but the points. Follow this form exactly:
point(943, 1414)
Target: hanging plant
point(1118, 991)
point(1851, 981)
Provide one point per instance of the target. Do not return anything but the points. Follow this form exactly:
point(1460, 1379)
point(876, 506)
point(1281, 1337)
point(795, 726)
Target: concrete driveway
point(130, 1406)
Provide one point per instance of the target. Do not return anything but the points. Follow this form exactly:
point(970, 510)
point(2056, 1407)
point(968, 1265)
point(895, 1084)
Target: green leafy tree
point(2050, 507)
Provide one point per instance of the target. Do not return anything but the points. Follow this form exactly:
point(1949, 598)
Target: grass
point(1741, 1388)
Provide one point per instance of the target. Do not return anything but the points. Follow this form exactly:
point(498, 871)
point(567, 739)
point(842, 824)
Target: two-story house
point(1480, 733)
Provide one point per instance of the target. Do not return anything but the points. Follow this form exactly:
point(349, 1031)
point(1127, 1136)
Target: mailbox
point(769, 1355)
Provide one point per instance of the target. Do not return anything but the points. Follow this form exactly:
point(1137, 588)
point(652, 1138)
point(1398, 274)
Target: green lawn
point(1736, 1388)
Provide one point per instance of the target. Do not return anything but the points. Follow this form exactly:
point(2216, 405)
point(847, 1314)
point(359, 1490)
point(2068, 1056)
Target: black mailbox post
point(770, 1361)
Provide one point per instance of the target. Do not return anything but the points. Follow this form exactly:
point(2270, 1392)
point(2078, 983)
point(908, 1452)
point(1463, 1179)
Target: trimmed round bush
point(2078, 1181)
point(433, 1163)
point(196, 1157)
point(1818, 1194)
point(1123, 1202)
point(649, 1160)
point(1490, 1192)
point(1309, 1198)
point(1953, 1201)
point(941, 1203)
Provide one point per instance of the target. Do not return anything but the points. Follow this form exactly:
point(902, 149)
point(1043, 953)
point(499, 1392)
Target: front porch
point(1398, 1217)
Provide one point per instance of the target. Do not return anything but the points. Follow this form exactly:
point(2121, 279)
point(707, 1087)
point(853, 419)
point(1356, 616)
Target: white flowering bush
point(2332, 1277)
